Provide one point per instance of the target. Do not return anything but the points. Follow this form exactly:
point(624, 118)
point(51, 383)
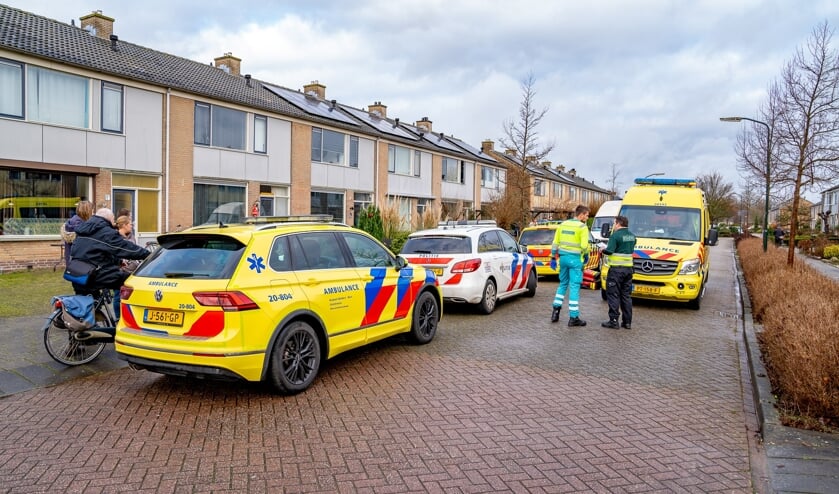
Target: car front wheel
point(426, 316)
point(295, 359)
point(490, 298)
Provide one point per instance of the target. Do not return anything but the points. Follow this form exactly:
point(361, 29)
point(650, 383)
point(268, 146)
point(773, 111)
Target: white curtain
point(11, 89)
point(54, 97)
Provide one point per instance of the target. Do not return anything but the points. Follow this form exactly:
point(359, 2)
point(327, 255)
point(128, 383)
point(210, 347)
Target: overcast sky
point(639, 84)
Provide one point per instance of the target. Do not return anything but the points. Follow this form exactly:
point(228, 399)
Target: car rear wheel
point(531, 284)
point(489, 299)
point(426, 316)
point(295, 359)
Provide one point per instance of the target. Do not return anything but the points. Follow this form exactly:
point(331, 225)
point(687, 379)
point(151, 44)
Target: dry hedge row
point(799, 310)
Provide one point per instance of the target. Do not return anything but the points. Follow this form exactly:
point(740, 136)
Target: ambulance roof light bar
point(685, 182)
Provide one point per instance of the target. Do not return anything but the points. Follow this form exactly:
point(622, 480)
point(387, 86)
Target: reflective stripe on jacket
point(571, 238)
point(620, 260)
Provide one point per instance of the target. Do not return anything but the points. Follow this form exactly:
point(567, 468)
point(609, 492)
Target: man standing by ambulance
point(618, 253)
point(571, 245)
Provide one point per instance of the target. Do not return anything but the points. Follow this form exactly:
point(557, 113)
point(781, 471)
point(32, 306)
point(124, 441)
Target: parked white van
point(605, 216)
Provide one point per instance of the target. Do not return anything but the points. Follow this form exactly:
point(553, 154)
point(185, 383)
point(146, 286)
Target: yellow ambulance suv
point(670, 219)
point(269, 300)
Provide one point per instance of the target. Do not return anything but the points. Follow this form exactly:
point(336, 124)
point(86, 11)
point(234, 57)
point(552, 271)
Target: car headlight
point(691, 266)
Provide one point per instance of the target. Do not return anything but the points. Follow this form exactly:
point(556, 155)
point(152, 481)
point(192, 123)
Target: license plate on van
point(649, 290)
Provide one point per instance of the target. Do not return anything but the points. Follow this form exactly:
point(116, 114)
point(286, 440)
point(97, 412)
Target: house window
point(11, 80)
point(354, 151)
point(34, 202)
point(213, 203)
point(141, 195)
point(327, 146)
point(399, 161)
point(112, 108)
point(557, 190)
point(260, 134)
point(328, 203)
point(539, 188)
point(489, 178)
point(572, 193)
point(219, 126)
point(360, 201)
point(417, 163)
point(452, 171)
point(57, 98)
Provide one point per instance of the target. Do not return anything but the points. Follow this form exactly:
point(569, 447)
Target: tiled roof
point(46, 38)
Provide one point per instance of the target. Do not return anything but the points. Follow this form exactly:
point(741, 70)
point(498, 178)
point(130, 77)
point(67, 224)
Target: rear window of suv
point(194, 256)
point(437, 245)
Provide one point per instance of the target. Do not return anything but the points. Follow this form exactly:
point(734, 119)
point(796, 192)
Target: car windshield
point(194, 256)
point(542, 236)
point(600, 221)
point(437, 245)
point(663, 222)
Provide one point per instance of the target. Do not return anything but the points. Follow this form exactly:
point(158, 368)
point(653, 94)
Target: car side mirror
point(522, 249)
point(713, 237)
point(400, 263)
point(605, 230)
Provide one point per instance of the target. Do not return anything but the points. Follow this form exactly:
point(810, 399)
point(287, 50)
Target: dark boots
point(611, 324)
point(575, 321)
point(555, 314)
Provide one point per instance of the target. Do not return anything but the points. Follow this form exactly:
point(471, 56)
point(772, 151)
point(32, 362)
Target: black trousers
point(618, 294)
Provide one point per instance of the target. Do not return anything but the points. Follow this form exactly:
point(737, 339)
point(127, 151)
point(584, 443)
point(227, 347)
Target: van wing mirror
point(605, 230)
point(713, 237)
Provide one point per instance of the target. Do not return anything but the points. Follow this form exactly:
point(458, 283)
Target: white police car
point(475, 263)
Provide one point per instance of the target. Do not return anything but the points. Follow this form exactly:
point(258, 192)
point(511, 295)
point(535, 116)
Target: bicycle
point(74, 346)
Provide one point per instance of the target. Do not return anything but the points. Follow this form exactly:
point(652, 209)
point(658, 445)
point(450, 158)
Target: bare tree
point(719, 194)
point(614, 182)
point(522, 137)
point(808, 121)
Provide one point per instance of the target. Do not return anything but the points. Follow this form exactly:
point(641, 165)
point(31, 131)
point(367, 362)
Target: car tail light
point(125, 292)
point(228, 301)
point(467, 266)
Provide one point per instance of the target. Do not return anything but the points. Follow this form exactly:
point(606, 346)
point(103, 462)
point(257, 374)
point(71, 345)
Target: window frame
point(353, 155)
point(110, 86)
point(324, 133)
point(50, 104)
point(22, 96)
point(458, 167)
point(414, 160)
point(260, 136)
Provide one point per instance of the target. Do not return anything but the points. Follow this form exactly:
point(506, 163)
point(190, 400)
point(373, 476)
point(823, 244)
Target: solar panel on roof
point(312, 106)
point(380, 124)
point(440, 141)
point(473, 150)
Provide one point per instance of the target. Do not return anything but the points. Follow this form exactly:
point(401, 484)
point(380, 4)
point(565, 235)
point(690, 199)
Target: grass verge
point(28, 293)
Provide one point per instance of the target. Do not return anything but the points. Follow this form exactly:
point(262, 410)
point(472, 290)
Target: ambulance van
point(669, 217)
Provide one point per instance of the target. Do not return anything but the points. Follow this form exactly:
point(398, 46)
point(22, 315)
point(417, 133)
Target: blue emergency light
point(684, 182)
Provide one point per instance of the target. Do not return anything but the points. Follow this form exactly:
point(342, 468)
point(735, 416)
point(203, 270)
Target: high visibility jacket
point(620, 248)
point(571, 238)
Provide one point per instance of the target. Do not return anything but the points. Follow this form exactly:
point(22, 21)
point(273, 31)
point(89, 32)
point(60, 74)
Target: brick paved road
point(506, 402)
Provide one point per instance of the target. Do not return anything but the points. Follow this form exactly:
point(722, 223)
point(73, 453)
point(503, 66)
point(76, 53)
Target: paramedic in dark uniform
point(618, 254)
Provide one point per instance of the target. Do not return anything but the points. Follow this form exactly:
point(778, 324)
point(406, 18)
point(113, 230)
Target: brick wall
point(301, 168)
point(182, 137)
point(19, 255)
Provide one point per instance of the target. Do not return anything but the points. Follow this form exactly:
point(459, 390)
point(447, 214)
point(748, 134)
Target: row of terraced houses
point(84, 114)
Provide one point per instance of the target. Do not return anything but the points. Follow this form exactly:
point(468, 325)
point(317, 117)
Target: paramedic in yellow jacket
point(571, 245)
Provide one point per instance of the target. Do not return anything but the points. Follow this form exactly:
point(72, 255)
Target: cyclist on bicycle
point(99, 243)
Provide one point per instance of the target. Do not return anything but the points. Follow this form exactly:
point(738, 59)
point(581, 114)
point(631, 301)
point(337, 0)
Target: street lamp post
point(768, 156)
point(654, 175)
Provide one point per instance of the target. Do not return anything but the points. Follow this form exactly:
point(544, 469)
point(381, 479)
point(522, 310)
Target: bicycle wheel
point(65, 349)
